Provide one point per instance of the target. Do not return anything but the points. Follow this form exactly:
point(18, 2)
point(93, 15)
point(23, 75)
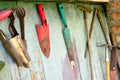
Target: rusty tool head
point(43, 31)
point(20, 11)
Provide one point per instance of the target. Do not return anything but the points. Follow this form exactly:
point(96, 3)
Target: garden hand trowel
point(43, 32)
point(66, 35)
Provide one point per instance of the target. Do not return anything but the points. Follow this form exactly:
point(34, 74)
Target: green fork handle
point(62, 14)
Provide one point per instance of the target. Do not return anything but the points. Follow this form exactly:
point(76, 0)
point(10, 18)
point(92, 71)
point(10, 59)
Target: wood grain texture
point(52, 68)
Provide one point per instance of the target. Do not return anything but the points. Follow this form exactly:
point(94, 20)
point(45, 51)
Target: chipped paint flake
point(33, 75)
point(39, 62)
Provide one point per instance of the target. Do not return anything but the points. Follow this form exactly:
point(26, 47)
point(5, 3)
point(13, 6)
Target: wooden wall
point(57, 66)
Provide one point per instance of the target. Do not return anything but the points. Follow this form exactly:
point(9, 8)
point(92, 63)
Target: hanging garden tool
point(114, 61)
point(3, 15)
point(104, 28)
point(89, 35)
point(43, 32)
point(15, 46)
point(114, 47)
point(66, 35)
point(107, 60)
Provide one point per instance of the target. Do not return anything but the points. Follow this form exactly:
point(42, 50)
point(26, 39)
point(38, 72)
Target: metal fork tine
point(23, 11)
point(18, 12)
point(21, 14)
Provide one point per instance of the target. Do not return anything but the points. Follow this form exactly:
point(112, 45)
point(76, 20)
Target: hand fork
point(20, 11)
point(21, 14)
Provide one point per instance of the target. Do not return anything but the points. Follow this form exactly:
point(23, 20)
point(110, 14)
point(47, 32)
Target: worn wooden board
point(57, 66)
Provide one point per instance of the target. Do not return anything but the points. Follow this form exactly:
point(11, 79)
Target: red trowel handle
point(42, 14)
point(5, 14)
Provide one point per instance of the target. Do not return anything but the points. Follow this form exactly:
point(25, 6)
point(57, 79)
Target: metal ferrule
point(106, 54)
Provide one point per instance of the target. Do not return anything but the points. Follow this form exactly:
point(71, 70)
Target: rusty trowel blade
point(2, 64)
point(43, 37)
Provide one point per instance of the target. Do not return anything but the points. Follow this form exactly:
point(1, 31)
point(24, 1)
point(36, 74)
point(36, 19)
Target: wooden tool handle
point(92, 23)
point(107, 70)
point(113, 63)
